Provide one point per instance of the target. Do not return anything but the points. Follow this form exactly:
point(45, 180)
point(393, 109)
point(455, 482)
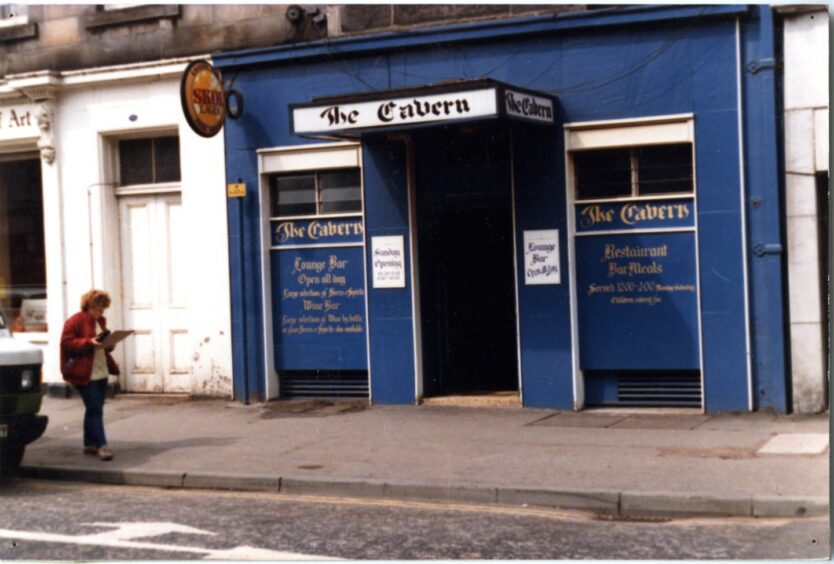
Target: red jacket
point(77, 350)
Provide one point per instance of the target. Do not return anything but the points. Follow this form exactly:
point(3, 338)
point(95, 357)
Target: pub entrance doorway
point(464, 222)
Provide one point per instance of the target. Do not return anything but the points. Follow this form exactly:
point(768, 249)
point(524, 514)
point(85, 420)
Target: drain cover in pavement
point(796, 443)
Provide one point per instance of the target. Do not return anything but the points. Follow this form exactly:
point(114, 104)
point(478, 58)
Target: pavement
point(626, 463)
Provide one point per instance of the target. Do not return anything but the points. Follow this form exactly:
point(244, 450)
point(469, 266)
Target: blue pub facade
point(583, 209)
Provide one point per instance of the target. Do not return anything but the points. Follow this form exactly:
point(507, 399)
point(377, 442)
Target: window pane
point(22, 256)
point(340, 191)
point(292, 195)
point(135, 164)
point(167, 155)
point(664, 169)
point(605, 173)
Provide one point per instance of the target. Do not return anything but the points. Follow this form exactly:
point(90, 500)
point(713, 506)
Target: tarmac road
point(48, 520)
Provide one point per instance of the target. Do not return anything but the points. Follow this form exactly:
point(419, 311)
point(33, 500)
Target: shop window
point(315, 193)
point(149, 161)
point(22, 254)
point(632, 172)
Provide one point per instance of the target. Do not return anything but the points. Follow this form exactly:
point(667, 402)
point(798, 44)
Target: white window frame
point(147, 188)
point(629, 134)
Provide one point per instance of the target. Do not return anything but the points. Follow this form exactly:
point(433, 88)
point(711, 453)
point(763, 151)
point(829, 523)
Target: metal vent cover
point(315, 384)
point(665, 389)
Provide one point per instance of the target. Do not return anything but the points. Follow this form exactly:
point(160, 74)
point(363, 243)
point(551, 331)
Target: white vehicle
point(20, 396)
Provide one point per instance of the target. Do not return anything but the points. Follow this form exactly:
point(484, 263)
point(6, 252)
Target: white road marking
point(122, 533)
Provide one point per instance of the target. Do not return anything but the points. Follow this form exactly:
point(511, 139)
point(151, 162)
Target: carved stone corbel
point(46, 142)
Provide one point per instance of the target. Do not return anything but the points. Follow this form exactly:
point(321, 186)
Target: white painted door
point(155, 297)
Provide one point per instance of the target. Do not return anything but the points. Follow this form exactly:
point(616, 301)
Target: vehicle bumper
point(23, 429)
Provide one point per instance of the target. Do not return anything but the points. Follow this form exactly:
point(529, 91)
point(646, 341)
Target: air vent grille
point(313, 384)
point(669, 389)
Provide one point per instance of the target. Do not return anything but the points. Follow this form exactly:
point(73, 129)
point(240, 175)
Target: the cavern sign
point(423, 107)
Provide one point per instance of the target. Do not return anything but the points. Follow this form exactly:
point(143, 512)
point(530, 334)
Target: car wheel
point(11, 457)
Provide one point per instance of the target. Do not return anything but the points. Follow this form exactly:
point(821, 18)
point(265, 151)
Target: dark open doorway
point(465, 253)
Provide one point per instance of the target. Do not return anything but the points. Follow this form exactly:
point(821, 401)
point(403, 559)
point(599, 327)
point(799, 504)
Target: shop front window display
point(22, 255)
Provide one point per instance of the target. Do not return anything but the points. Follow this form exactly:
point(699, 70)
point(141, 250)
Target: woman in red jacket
point(86, 364)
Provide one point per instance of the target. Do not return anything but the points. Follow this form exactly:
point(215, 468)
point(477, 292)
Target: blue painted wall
point(627, 63)
point(390, 316)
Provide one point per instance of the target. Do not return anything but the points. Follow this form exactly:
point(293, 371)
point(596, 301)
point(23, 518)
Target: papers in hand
point(116, 337)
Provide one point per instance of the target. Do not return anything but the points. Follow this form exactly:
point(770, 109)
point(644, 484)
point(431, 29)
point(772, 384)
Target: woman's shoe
point(105, 453)
point(90, 449)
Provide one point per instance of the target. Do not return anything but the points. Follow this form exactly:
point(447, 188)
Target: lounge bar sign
point(426, 105)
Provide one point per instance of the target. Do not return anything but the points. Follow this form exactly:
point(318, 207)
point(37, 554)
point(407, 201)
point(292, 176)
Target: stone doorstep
point(498, 399)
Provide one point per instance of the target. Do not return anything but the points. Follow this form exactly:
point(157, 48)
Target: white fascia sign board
point(396, 111)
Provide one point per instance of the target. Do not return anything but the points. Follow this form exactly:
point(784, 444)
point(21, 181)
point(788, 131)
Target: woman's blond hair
point(95, 298)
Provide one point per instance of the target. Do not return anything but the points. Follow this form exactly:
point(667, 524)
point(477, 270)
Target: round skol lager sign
point(202, 97)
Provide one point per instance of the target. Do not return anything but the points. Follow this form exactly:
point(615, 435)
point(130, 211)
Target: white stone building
point(806, 102)
point(107, 187)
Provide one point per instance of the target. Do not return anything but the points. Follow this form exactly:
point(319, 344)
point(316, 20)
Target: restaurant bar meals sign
point(465, 101)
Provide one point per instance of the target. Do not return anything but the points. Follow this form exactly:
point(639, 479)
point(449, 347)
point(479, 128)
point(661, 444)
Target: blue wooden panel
point(763, 157)
point(638, 302)
point(390, 316)
point(318, 307)
point(544, 311)
point(721, 262)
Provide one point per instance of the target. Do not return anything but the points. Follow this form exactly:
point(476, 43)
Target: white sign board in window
point(541, 257)
point(388, 262)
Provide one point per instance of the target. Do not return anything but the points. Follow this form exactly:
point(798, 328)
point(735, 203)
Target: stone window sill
point(18, 32)
point(110, 18)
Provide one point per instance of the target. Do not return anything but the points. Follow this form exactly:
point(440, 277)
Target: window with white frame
point(152, 160)
point(632, 161)
point(315, 193)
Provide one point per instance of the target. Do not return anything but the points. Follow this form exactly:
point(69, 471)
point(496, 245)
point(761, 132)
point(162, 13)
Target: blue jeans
point(93, 395)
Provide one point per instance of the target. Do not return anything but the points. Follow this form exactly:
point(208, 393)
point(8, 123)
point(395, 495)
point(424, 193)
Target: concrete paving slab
point(796, 443)
point(579, 420)
point(661, 422)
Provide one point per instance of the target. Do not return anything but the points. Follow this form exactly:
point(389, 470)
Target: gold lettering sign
point(631, 214)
